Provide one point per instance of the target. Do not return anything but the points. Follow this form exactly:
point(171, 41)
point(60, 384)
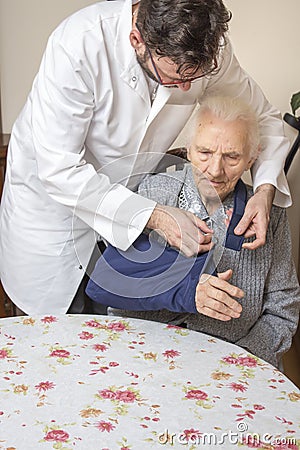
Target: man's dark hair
point(190, 33)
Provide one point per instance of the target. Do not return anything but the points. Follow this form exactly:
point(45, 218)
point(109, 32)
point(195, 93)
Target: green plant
point(295, 103)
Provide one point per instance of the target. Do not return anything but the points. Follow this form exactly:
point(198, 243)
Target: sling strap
point(232, 241)
point(240, 199)
point(149, 276)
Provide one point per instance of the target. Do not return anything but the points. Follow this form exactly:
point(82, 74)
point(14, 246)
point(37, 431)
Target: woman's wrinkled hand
point(216, 297)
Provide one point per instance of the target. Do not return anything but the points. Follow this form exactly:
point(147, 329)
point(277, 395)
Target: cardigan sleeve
point(162, 188)
point(272, 334)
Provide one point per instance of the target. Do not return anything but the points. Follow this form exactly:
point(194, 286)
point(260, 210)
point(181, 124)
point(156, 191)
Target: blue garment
point(149, 276)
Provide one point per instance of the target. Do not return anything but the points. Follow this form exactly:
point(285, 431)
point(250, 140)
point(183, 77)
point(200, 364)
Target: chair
point(4, 139)
point(293, 355)
point(7, 308)
point(295, 123)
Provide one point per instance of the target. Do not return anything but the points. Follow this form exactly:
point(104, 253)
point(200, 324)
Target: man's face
point(219, 155)
point(164, 68)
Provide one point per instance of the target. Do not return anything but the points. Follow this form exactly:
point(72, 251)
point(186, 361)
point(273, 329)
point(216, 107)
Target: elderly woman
point(253, 299)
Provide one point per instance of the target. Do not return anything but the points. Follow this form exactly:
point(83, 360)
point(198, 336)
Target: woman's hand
point(215, 297)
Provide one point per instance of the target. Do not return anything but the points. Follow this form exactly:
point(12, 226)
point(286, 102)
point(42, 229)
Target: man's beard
point(142, 60)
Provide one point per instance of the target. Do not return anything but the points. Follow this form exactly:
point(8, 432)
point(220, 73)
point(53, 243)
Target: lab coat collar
point(132, 73)
point(124, 52)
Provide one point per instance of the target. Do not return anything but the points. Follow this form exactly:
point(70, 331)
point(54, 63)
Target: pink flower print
point(100, 347)
point(113, 364)
point(56, 436)
point(125, 396)
point(283, 420)
point(248, 413)
point(230, 360)
point(94, 324)
point(60, 353)
point(104, 426)
point(238, 387)
point(227, 219)
point(44, 386)
point(107, 394)
point(258, 407)
point(171, 353)
point(252, 442)
point(247, 361)
point(49, 319)
point(116, 326)
point(85, 335)
point(286, 445)
point(196, 394)
point(190, 435)
point(3, 353)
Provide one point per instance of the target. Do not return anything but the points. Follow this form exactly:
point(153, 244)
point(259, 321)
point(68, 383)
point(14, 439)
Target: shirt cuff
point(265, 175)
point(125, 215)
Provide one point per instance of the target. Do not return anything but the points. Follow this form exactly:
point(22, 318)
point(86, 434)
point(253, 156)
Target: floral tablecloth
point(101, 383)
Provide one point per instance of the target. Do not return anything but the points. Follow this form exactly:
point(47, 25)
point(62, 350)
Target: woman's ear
point(250, 163)
point(135, 39)
point(253, 159)
point(188, 157)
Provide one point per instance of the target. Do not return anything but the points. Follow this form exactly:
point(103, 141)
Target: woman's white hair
point(230, 109)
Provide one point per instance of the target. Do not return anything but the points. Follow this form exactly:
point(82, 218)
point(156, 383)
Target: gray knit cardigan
point(267, 276)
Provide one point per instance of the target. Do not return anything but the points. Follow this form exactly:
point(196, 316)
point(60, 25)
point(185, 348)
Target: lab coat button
point(134, 79)
point(80, 267)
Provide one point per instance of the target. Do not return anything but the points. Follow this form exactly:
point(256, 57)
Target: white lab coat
point(83, 141)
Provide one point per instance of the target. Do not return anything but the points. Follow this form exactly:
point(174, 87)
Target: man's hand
point(181, 229)
point(256, 218)
point(215, 297)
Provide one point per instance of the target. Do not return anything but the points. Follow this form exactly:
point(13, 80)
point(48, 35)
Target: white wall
point(24, 29)
point(265, 35)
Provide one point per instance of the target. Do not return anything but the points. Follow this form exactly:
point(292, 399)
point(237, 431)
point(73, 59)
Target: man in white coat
point(116, 85)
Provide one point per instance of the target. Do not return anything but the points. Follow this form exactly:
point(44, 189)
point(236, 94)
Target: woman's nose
point(215, 166)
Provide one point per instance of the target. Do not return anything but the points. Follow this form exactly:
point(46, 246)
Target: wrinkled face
point(219, 155)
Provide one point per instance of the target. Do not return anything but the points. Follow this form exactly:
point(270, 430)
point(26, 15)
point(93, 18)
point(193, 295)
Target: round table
point(98, 383)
